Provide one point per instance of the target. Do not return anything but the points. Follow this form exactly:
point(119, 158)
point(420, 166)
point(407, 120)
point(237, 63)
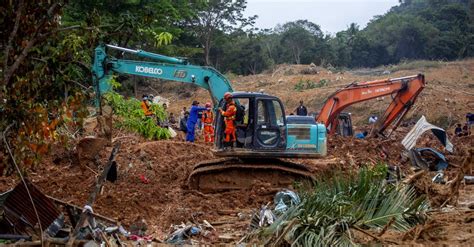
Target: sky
point(331, 15)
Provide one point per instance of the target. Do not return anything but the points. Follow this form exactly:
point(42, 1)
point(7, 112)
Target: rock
point(309, 70)
point(90, 124)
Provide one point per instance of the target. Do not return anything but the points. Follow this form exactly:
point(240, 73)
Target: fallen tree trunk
point(92, 197)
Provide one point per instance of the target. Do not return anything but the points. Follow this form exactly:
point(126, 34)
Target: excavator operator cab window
point(279, 118)
point(244, 130)
point(262, 114)
point(270, 126)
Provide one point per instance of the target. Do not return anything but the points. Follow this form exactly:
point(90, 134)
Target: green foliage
point(423, 29)
point(133, 118)
point(415, 65)
point(309, 84)
point(337, 206)
point(43, 74)
point(149, 24)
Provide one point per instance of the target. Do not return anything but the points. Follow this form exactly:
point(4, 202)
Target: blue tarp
point(442, 163)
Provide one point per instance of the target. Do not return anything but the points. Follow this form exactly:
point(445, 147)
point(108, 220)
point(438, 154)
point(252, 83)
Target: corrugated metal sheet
point(420, 127)
point(20, 213)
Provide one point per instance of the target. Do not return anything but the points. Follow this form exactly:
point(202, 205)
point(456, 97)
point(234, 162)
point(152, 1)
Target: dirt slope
point(449, 90)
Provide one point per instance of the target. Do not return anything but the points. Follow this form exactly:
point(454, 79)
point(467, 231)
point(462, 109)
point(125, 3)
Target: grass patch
point(231, 76)
point(416, 64)
point(309, 84)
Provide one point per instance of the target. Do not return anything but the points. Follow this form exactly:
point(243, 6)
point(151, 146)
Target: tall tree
point(218, 15)
point(299, 36)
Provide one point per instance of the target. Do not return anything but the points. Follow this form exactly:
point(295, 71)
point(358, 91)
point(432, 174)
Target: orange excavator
point(403, 92)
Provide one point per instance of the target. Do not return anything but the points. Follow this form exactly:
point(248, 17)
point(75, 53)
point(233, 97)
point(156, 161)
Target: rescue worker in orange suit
point(229, 119)
point(208, 120)
point(146, 106)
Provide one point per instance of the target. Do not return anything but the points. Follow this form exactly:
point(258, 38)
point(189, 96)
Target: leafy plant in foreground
point(328, 215)
point(133, 118)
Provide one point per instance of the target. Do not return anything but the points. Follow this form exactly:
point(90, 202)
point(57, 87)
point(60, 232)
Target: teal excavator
point(263, 135)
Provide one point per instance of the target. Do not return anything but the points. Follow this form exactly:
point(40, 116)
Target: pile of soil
point(151, 186)
point(152, 175)
point(152, 181)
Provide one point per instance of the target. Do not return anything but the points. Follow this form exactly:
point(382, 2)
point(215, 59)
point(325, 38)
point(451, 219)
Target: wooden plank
point(59, 201)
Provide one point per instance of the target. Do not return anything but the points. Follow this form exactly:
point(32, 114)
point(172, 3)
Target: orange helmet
point(208, 104)
point(227, 96)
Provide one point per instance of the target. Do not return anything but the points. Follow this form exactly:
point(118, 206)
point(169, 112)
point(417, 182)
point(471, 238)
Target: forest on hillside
point(216, 33)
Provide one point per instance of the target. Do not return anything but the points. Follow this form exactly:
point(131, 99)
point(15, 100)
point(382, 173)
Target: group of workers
point(207, 120)
point(198, 115)
point(466, 129)
point(205, 116)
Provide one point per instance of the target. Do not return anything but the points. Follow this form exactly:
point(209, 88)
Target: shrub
point(133, 118)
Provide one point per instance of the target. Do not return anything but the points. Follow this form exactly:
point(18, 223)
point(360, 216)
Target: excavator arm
point(403, 91)
point(262, 140)
point(162, 67)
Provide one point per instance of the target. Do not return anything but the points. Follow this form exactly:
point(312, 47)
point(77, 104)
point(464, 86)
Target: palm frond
point(326, 215)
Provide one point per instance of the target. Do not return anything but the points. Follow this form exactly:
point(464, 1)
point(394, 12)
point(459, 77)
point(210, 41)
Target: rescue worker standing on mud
point(192, 120)
point(208, 120)
point(229, 118)
point(145, 105)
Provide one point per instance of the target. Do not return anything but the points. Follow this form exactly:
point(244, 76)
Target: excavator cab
point(261, 133)
point(260, 123)
point(343, 124)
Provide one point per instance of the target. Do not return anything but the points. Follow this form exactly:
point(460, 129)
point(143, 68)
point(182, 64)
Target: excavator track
point(235, 173)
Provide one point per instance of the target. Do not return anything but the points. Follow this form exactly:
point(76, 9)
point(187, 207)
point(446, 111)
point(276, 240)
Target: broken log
point(415, 176)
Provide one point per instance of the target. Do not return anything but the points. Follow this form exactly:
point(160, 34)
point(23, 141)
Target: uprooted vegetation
point(340, 206)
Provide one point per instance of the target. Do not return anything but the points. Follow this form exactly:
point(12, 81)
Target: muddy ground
point(152, 187)
point(152, 175)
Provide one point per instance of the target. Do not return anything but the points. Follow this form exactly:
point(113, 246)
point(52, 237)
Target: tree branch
point(10, 71)
point(12, 36)
point(72, 28)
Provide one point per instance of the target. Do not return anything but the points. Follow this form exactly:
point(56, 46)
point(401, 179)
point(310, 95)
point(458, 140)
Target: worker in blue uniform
point(192, 120)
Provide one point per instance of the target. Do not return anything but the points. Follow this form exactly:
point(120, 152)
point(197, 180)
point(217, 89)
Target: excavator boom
point(403, 91)
point(162, 67)
point(263, 134)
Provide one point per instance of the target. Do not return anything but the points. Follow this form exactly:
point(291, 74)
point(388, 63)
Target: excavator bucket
point(234, 174)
